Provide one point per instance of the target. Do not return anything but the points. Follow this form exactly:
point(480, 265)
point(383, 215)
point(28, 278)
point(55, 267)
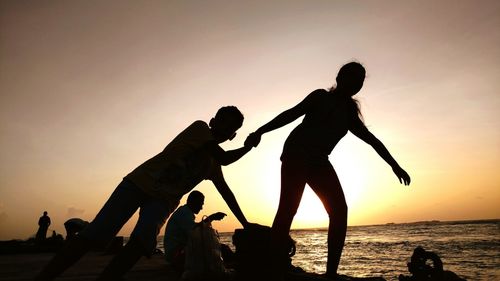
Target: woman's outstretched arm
point(360, 130)
point(284, 118)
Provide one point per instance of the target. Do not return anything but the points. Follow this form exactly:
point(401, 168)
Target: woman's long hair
point(352, 75)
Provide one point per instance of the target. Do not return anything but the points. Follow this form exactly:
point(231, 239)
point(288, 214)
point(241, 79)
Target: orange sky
point(90, 90)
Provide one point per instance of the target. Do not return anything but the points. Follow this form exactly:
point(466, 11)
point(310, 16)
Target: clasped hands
point(252, 140)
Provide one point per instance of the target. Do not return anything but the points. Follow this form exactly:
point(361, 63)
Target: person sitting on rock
point(179, 227)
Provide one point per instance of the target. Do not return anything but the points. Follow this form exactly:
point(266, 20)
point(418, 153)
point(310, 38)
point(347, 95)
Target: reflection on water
point(471, 249)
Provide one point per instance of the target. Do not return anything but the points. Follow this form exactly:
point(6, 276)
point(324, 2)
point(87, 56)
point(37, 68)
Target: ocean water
point(471, 249)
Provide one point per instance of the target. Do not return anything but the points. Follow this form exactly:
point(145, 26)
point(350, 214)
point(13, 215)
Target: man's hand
point(216, 216)
point(252, 140)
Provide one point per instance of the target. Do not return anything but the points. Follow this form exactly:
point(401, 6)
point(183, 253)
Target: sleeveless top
point(327, 119)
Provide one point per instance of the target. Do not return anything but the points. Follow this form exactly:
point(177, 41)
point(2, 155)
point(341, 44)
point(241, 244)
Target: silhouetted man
point(180, 225)
point(43, 226)
point(156, 187)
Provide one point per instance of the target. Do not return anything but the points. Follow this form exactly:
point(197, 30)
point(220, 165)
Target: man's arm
point(228, 196)
point(186, 224)
point(180, 225)
point(216, 216)
point(223, 157)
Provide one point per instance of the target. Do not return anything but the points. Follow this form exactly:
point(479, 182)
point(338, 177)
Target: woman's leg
point(292, 187)
point(325, 183)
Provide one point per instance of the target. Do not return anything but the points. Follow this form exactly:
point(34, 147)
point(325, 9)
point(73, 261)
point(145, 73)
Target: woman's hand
point(402, 175)
point(252, 140)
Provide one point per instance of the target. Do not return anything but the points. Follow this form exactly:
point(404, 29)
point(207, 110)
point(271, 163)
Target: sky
point(89, 90)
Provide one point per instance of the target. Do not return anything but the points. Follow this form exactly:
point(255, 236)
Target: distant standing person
point(328, 116)
point(43, 226)
point(156, 187)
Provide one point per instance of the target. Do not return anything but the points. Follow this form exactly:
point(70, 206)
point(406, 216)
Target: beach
point(24, 267)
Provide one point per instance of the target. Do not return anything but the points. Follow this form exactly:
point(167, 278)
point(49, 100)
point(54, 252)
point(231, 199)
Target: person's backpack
point(253, 252)
point(203, 255)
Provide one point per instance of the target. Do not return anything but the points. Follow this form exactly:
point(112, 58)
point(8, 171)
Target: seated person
point(179, 228)
point(74, 226)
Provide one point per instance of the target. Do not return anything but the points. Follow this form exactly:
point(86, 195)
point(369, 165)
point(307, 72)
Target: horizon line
point(399, 223)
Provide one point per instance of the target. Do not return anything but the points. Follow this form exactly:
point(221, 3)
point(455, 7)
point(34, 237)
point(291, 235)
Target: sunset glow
point(90, 90)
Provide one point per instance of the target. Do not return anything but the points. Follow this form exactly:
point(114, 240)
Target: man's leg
point(72, 251)
point(152, 216)
point(120, 206)
point(123, 261)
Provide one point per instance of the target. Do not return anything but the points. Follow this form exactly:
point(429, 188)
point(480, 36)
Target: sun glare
point(311, 212)
point(352, 176)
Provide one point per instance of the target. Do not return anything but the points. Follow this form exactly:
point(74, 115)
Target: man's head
point(195, 201)
point(225, 123)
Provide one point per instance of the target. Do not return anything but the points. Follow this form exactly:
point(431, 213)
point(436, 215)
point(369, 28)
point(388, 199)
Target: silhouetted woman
point(329, 114)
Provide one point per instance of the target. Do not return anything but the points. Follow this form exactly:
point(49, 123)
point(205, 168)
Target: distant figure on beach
point(180, 225)
point(43, 226)
point(328, 116)
point(74, 226)
point(56, 237)
point(156, 187)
